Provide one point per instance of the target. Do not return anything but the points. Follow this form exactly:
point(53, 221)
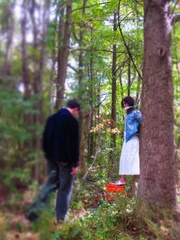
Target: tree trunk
point(80, 76)
point(157, 150)
point(91, 137)
point(25, 68)
point(114, 58)
point(81, 118)
point(39, 14)
point(54, 60)
point(129, 78)
point(10, 34)
point(63, 52)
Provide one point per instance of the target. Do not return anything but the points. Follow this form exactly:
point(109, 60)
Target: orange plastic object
point(111, 190)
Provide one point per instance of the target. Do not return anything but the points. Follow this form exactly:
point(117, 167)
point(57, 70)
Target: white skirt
point(129, 159)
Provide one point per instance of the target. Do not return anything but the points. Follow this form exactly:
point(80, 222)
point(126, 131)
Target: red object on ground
point(111, 190)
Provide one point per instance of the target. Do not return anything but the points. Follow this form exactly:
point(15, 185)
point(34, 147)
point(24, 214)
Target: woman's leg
point(135, 184)
point(123, 179)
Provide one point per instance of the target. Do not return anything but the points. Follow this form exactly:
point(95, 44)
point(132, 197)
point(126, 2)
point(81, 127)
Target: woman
point(129, 160)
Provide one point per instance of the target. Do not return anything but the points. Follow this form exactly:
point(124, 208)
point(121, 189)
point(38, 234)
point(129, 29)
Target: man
point(61, 149)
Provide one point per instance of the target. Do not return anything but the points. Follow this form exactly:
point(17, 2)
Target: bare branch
point(93, 50)
point(73, 68)
point(125, 44)
point(95, 157)
point(95, 106)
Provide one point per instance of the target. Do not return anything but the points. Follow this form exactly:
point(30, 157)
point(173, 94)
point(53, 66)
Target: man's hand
point(74, 170)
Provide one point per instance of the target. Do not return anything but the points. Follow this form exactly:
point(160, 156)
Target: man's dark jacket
point(61, 138)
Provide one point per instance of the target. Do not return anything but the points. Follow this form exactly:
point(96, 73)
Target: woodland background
point(91, 50)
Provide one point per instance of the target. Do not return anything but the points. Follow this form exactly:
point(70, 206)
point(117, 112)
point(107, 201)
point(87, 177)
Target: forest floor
point(13, 210)
point(14, 224)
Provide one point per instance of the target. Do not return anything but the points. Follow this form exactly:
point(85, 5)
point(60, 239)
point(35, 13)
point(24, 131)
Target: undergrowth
point(91, 216)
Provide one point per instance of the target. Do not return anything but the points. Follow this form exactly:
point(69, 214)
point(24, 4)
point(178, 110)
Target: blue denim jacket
point(133, 120)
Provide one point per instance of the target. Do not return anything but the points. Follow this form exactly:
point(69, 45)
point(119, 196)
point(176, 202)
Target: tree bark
point(10, 34)
point(91, 137)
point(157, 150)
point(80, 77)
point(63, 52)
point(81, 118)
point(39, 14)
point(129, 78)
point(25, 64)
point(114, 60)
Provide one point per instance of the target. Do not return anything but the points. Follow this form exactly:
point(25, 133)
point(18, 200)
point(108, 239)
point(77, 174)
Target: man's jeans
point(59, 177)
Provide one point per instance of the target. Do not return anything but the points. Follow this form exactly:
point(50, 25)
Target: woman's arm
point(138, 116)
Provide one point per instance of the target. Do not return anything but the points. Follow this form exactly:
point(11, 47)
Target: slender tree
point(80, 82)
point(25, 62)
point(114, 65)
point(9, 22)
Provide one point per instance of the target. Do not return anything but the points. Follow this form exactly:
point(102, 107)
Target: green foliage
point(45, 225)
point(15, 133)
point(159, 223)
point(103, 221)
point(2, 227)
point(108, 221)
point(5, 14)
point(13, 108)
point(17, 175)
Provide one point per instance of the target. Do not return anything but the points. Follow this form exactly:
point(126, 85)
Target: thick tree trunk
point(63, 52)
point(39, 14)
point(157, 150)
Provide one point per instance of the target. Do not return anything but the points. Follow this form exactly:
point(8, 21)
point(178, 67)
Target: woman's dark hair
point(129, 100)
point(73, 103)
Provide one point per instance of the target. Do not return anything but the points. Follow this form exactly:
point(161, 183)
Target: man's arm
point(74, 170)
point(72, 142)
